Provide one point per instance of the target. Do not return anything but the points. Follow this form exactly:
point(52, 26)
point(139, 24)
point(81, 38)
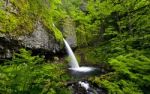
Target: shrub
point(29, 74)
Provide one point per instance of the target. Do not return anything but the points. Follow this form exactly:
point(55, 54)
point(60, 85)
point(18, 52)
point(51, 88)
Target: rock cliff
point(23, 25)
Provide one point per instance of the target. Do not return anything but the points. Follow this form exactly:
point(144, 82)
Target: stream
point(81, 74)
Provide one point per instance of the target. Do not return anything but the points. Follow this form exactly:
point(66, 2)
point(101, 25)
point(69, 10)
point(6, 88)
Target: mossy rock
point(18, 17)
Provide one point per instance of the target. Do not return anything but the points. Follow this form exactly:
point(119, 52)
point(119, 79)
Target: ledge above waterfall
point(69, 32)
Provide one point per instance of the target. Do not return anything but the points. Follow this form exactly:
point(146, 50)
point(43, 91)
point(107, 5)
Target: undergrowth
point(30, 74)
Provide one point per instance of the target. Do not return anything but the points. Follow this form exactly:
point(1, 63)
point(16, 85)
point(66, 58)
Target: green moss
point(8, 21)
point(58, 34)
point(2, 16)
point(22, 5)
point(48, 22)
point(13, 23)
point(46, 11)
point(28, 12)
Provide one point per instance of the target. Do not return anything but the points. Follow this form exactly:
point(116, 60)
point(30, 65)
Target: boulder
point(7, 46)
point(69, 32)
point(40, 39)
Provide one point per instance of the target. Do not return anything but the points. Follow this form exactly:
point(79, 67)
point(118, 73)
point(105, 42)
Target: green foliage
point(97, 19)
point(22, 5)
point(15, 18)
point(134, 66)
point(130, 76)
point(8, 22)
point(118, 29)
point(19, 17)
point(121, 87)
point(29, 74)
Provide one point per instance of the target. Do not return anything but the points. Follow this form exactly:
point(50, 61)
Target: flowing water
point(73, 61)
point(80, 72)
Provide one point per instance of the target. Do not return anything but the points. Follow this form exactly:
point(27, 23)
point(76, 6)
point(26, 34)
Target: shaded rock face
point(69, 32)
point(40, 39)
point(7, 46)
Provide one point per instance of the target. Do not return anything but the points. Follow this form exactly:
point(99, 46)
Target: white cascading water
point(84, 85)
point(74, 63)
point(75, 66)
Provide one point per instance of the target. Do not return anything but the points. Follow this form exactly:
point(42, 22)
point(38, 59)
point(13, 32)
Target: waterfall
point(73, 60)
point(74, 63)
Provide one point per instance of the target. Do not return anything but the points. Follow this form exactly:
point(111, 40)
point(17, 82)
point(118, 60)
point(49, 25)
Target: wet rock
point(77, 88)
point(7, 46)
point(69, 32)
point(56, 58)
point(40, 39)
point(12, 9)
